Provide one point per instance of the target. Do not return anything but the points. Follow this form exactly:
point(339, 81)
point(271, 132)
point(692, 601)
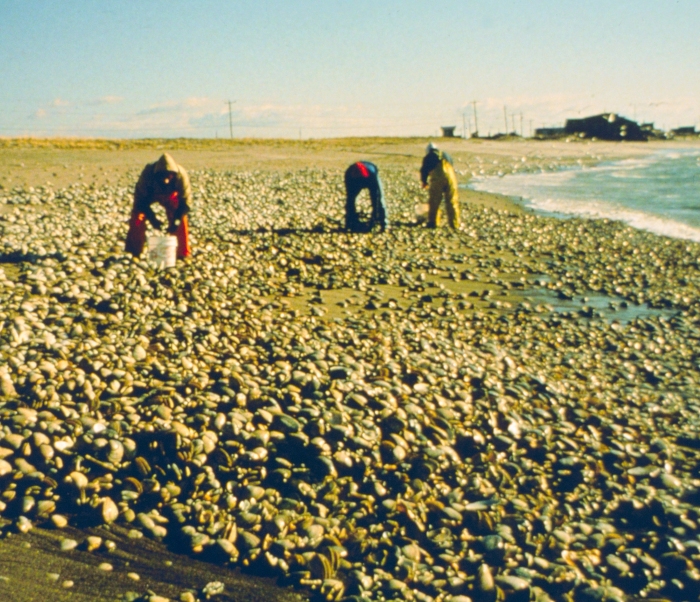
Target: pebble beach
point(506, 412)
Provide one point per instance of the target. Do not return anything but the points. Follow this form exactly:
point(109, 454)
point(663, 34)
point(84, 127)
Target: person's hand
point(425, 186)
point(174, 226)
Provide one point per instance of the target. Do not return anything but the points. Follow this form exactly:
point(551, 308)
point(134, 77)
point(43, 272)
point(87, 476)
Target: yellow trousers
point(442, 182)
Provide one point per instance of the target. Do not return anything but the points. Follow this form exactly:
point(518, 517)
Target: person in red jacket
point(167, 183)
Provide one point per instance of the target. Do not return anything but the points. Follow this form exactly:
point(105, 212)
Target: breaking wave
point(658, 193)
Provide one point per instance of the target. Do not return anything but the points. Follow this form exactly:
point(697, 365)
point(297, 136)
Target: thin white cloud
point(109, 100)
point(158, 108)
point(56, 106)
point(193, 106)
point(104, 101)
point(198, 102)
point(204, 117)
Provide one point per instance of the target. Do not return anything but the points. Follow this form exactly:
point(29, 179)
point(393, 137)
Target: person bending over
point(359, 176)
point(438, 174)
point(167, 183)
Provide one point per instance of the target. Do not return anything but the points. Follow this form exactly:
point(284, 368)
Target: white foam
point(599, 209)
point(518, 184)
point(626, 175)
point(593, 193)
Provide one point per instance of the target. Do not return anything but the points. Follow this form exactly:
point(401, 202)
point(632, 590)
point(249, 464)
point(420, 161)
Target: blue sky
point(317, 68)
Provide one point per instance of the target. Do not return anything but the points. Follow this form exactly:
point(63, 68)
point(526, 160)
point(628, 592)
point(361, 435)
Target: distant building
point(606, 126)
point(685, 131)
point(448, 131)
point(652, 132)
point(549, 132)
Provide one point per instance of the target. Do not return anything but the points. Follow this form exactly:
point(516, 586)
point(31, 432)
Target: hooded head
point(165, 163)
point(430, 148)
point(165, 170)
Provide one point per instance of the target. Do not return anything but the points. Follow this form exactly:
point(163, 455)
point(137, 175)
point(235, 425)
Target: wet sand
point(33, 567)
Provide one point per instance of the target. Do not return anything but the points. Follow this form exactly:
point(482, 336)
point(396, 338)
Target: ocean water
point(659, 193)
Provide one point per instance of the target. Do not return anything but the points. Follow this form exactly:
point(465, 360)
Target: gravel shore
point(506, 412)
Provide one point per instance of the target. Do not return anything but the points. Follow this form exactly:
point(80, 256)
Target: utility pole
point(522, 134)
point(512, 120)
point(464, 125)
point(476, 123)
point(230, 119)
point(505, 117)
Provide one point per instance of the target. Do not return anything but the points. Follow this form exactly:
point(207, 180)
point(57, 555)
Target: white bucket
point(162, 251)
point(421, 212)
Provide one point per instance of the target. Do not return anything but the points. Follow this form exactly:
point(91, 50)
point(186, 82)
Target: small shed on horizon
point(549, 132)
point(688, 130)
point(448, 131)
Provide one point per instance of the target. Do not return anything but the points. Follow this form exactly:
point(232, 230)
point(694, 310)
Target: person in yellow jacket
point(438, 175)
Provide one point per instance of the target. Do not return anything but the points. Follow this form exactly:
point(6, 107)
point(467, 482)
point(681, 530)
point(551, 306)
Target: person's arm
point(184, 195)
point(143, 197)
point(151, 217)
point(379, 212)
point(374, 185)
point(425, 169)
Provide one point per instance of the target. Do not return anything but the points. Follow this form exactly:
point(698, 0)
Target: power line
point(230, 120)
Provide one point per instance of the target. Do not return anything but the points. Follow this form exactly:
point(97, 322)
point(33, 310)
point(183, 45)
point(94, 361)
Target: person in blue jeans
point(359, 176)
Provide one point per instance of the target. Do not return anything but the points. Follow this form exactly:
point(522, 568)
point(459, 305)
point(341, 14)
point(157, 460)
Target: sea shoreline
point(519, 203)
